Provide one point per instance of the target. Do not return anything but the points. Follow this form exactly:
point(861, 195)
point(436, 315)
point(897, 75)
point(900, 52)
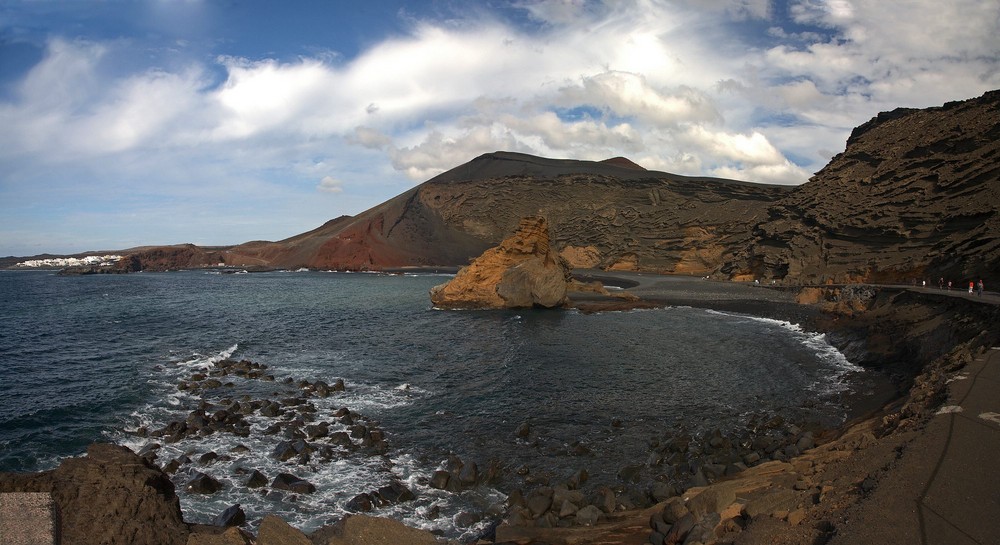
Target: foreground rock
point(110, 496)
point(521, 272)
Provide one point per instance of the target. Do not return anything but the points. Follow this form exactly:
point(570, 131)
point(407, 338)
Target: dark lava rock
point(149, 451)
point(208, 458)
point(360, 503)
point(440, 479)
point(284, 450)
point(232, 516)
point(539, 501)
point(395, 492)
point(256, 480)
point(202, 484)
point(523, 430)
point(287, 481)
point(469, 474)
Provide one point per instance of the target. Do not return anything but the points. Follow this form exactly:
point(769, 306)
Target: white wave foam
point(818, 344)
point(200, 361)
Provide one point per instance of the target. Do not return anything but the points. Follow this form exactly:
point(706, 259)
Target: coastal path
point(945, 489)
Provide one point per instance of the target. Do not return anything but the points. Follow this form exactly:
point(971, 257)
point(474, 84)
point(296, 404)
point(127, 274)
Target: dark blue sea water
point(93, 358)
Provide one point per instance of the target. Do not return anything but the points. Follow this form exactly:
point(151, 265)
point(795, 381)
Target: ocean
point(99, 358)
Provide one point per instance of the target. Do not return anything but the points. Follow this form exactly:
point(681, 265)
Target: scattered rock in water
point(208, 458)
point(362, 503)
point(523, 430)
point(291, 483)
point(201, 483)
point(439, 479)
point(256, 480)
point(232, 516)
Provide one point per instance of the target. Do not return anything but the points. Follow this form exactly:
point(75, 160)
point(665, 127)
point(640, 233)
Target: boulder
point(275, 531)
point(206, 535)
point(361, 502)
point(521, 272)
point(111, 496)
point(395, 492)
point(539, 501)
point(714, 499)
point(368, 530)
point(202, 484)
point(287, 481)
point(232, 516)
point(256, 480)
point(440, 479)
point(588, 516)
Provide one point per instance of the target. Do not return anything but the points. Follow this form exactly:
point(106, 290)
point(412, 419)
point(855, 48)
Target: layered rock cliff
point(521, 272)
point(915, 195)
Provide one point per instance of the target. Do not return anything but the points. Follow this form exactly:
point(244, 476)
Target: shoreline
point(745, 299)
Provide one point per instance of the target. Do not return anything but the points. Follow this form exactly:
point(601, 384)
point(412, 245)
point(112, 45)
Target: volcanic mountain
point(915, 194)
point(611, 214)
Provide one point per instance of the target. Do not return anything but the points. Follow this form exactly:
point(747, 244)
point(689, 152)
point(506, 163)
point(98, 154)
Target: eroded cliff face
point(521, 272)
point(915, 195)
point(676, 226)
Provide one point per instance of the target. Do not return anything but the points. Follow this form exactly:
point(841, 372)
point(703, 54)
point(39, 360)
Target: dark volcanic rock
point(256, 480)
point(201, 483)
point(913, 196)
point(111, 496)
point(287, 481)
point(232, 516)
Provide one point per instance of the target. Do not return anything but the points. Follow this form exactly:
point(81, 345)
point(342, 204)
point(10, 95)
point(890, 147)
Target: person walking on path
point(972, 285)
point(979, 287)
point(941, 283)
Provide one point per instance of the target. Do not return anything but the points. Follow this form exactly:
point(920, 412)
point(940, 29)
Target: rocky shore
point(773, 482)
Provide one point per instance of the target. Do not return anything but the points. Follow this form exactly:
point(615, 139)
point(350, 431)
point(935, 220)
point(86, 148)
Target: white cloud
point(630, 95)
point(674, 85)
point(330, 185)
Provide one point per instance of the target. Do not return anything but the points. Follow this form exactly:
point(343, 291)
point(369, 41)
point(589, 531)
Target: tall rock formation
point(521, 272)
point(915, 194)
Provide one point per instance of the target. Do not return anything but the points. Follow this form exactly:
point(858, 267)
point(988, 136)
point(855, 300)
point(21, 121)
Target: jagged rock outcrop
point(521, 272)
point(111, 496)
point(915, 195)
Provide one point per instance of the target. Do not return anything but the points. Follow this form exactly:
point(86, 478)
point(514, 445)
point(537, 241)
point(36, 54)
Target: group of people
point(976, 287)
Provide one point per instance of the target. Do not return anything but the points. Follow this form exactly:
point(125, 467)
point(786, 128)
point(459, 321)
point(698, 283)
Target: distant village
point(61, 262)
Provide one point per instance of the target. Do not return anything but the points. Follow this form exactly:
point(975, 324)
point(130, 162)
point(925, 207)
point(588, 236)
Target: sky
point(127, 123)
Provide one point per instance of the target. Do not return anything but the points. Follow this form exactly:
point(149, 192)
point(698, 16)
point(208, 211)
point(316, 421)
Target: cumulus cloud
point(630, 95)
point(737, 88)
point(330, 185)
